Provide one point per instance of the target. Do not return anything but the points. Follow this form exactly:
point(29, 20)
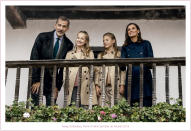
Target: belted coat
point(85, 81)
point(109, 70)
point(138, 50)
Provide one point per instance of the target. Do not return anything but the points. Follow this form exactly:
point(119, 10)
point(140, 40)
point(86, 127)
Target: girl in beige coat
point(111, 52)
point(81, 51)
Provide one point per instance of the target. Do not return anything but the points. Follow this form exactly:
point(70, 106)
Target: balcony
point(129, 62)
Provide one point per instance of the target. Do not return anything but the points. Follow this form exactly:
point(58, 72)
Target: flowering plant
point(26, 115)
point(102, 113)
point(113, 115)
point(122, 112)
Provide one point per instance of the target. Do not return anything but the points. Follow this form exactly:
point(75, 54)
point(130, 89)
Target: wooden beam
point(99, 8)
point(15, 17)
point(171, 61)
point(83, 15)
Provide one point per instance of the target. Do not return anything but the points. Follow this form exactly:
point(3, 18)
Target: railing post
point(29, 86)
point(6, 72)
point(17, 84)
point(180, 83)
point(66, 86)
point(103, 87)
point(78, 98)
point(115, 87)
point(91, 86)
point(165, 62)
point(53, 85)
point(141, 85)
point(167, 83)
point(129, 84)
point(41, 85)
point(154, 85)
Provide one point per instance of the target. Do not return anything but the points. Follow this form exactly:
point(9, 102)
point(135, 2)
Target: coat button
point(86, 78)
point(87, 92)
point(84, 71)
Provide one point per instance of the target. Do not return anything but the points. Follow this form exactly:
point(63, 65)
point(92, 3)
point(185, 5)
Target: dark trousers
point(147, 101)
point(35, 99)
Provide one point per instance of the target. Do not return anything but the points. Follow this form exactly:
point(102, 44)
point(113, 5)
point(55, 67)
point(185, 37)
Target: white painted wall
point(166, 36)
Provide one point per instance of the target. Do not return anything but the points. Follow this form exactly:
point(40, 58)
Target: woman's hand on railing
point(122, 89)
point(35, 88)
point(98, 91)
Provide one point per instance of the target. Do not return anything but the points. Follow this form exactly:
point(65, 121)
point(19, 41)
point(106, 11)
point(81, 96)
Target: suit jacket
point(43, 50)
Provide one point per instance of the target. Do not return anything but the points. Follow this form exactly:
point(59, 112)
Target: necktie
point(56, 47)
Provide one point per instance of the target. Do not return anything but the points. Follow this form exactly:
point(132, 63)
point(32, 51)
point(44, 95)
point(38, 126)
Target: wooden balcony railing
point(54, 64)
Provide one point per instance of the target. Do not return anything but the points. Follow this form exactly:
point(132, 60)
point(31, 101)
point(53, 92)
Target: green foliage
point(122, 112)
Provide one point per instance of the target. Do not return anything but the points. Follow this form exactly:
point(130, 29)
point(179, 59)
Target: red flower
point(102, 113)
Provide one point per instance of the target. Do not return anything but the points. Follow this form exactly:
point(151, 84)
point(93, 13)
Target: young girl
point(111, 52)
point(80, 51)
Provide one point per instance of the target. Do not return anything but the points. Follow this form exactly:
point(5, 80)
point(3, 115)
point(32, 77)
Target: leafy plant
point(122, 112)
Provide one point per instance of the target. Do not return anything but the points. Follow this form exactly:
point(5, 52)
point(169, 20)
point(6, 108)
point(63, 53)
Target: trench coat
point(111, 71)
point(138, 50)
point(85, 83)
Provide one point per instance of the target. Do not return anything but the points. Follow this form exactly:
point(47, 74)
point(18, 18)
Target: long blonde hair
point(86, 50)
point(112, 36)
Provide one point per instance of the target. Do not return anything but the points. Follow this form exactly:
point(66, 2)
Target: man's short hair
point(64, 19)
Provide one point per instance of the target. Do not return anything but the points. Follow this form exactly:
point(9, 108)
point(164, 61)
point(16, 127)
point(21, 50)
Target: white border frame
point(95, 125)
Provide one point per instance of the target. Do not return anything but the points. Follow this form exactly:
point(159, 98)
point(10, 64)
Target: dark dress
point(139, 50)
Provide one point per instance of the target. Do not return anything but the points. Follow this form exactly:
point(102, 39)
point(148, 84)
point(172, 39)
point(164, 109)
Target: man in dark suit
point(50, 45)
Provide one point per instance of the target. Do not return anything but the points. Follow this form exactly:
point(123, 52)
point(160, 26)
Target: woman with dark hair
point(135, 47)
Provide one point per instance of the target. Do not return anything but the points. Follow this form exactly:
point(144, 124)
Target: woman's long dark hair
point(128, 39)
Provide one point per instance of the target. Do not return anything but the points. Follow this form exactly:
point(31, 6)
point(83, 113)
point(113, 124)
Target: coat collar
point(109, 54)
point(77, 55)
